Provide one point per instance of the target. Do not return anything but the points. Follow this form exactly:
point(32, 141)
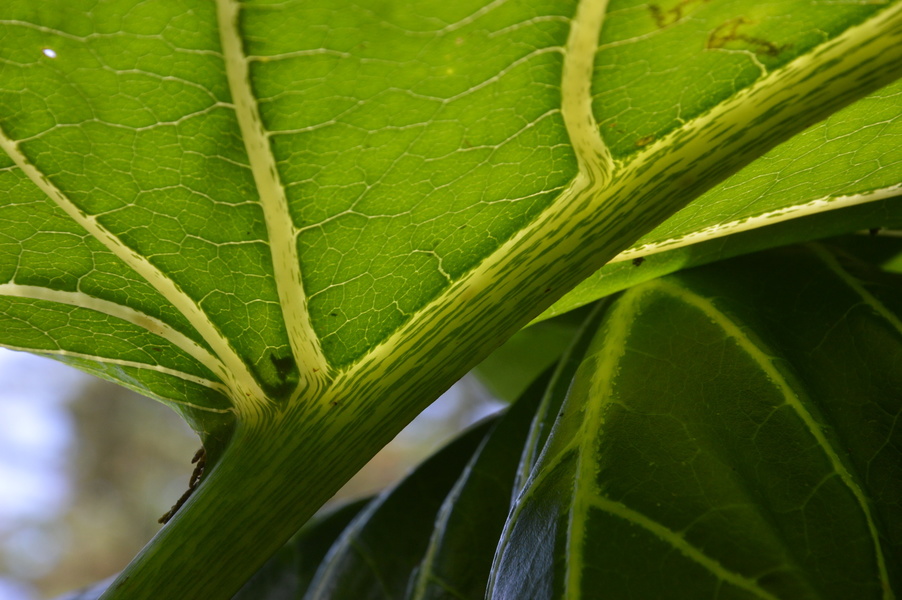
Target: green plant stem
point(271, 479)
point(284, 462)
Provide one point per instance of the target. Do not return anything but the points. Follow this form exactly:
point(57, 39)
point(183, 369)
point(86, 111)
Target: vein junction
point(304, 342)
point(245, 391)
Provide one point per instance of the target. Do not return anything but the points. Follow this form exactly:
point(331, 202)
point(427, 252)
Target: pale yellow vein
point(118, 311)
point(246, 392)
point(876, 305)
point(772, 217)
point(791, 399)
point(305, 344)
point(213, 385)
point(679, 542)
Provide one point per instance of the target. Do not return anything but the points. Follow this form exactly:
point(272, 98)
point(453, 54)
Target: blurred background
point(87, 468)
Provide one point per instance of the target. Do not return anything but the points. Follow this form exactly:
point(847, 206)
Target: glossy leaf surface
point(376, 555)
point(730, 432)
point(288, 574)
point(459, 557)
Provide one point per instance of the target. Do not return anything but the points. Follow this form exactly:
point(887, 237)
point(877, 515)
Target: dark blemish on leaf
point(333, 314)
point(283, 365)
point(664, 18)
point(645, 140)
point(874, 230)
point(638, 261)
point(547, 290)
point(333, 402)
point(728, 32)
point(200, 458)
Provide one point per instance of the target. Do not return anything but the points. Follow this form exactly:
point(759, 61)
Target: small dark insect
point(200, 457)
point(638, 261)
point(875, 230)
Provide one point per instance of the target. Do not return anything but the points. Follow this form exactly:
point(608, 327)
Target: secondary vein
point(246, 392)
point(793, 400)
point(593, 156)
point(305, 345)
point(118, 311)
point(679, 542)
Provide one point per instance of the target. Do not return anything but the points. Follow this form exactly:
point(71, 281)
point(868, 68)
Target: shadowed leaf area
point(726, 432)
point(731, 432)
point(712, 442)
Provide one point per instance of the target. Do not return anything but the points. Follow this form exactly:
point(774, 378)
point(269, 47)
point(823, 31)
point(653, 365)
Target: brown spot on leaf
point(732, 33)
point(645, 140)
point(666, 17)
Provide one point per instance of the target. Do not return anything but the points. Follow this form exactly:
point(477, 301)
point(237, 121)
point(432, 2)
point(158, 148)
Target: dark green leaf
point(732, 432)
point(376, 555)
point(289, 572)
point(459, 557)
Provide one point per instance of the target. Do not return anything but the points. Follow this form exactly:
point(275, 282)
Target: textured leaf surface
point(851, 164)
point(183, 179)
point(731, 432)
point(300, 222)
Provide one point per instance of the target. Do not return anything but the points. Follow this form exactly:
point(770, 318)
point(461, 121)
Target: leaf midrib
point(591, 202)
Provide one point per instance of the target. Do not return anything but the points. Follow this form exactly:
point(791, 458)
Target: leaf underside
point(177, 187)
point(313, 217)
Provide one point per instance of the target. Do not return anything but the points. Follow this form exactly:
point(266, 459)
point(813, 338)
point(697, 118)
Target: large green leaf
point(839, 175)
point(299, 222)
point(731, 432)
